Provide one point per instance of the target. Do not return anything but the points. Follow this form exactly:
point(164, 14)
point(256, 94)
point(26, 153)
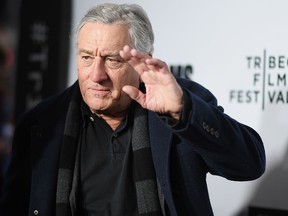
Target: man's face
point(101, 71)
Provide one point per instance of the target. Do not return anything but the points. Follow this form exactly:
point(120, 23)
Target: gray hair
point(132, 15)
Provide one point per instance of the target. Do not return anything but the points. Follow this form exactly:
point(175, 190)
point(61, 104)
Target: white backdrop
point(238, 50)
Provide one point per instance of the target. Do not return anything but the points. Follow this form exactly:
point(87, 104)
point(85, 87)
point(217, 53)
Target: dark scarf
point(143, 169)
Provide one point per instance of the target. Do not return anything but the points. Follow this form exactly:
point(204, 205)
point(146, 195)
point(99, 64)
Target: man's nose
point(98, 72)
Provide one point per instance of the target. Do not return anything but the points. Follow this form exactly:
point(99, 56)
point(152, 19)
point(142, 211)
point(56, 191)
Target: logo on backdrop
point(268, 75)
point(183, 71)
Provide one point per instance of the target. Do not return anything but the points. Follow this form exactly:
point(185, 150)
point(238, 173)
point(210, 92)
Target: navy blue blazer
point(210, 142)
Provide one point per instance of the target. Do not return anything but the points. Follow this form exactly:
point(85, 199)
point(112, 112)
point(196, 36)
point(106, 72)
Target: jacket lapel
point(161, 141)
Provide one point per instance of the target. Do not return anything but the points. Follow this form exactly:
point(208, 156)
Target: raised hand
point(163, 94)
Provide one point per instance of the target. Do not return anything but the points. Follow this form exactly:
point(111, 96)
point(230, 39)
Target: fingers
point(125, 53)
point(139, 55)
point(128, 53)
point(156, 63)
point(135, 57)
point(135, 94)
point(143, 62)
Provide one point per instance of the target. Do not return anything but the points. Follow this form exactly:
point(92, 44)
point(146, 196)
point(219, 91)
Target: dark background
point(34, 53)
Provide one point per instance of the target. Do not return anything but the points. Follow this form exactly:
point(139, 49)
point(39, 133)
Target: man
point(127, 138)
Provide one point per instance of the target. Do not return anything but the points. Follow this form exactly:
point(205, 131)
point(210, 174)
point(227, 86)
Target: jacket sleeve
point(229, 148)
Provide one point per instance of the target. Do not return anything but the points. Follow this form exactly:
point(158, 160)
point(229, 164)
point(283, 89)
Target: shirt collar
point(87, 114)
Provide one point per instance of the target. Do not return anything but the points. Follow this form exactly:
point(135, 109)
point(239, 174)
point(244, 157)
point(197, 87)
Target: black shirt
point(106, 174)
point(106, 181)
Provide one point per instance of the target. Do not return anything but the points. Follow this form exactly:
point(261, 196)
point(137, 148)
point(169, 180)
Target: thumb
point(134, 93)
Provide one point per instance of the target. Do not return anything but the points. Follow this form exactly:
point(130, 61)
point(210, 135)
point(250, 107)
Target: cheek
point(132, 78)
point(129, 79)
point(82, 74)
point(135, 82)
point(123, 77)
point(82, 81)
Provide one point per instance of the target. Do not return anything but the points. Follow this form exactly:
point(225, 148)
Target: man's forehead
point(106, 38)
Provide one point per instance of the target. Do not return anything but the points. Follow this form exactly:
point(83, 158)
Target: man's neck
point(112, 121)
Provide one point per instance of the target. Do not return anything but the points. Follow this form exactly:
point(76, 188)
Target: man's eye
point(113, 63)
point(113, 60)
point(86, 57)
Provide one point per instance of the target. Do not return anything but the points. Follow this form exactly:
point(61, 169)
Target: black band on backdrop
point(43, 51)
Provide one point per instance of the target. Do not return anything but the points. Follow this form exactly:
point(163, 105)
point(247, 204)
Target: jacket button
point(217, 134)
point(36, 212)
point(212, 131)
point(207, 128)
point(204, 125)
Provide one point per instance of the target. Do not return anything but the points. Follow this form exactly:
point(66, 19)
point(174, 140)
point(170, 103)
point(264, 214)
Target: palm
point(163, 94)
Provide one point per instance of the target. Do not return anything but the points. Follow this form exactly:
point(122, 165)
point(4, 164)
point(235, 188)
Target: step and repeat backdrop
point(238, 50)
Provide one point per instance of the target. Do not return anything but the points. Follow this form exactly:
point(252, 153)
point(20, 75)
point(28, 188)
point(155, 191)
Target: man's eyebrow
point(110, 54)
point(81, 50)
